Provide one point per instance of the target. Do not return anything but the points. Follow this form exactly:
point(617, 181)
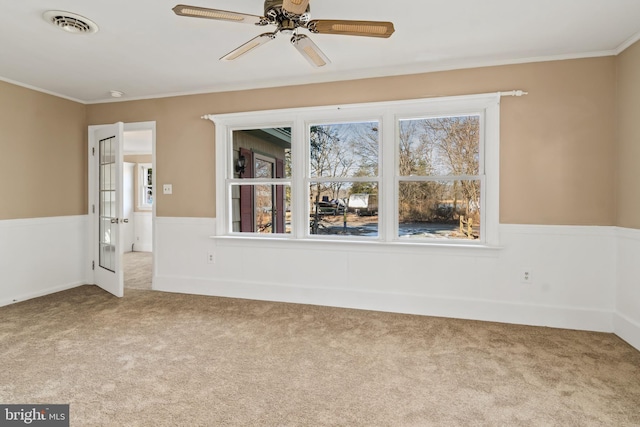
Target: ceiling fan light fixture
point(288, 16)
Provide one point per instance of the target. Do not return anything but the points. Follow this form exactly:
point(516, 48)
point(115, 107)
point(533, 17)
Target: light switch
point(167, 189)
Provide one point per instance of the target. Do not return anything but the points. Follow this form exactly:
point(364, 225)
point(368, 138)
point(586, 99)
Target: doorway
point(138, 205)
point(121, 205)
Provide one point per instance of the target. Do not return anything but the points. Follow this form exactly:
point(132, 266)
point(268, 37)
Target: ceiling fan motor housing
point(275, 5)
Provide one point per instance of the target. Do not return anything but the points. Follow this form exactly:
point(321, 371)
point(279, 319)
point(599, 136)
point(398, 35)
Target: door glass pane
point(264, 168)
point(106, 201)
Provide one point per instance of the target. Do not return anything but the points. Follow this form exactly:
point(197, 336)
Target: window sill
point(462, 248)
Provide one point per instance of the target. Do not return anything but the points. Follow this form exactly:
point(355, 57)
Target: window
point(343, 179)
point(259, 196)
point(421, 171)
point(145, 187)
point(439, 177)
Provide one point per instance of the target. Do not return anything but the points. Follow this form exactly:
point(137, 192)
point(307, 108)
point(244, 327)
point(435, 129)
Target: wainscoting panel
point(571, 282)
point(40, 256)
point(627, 320)
point(143, 239)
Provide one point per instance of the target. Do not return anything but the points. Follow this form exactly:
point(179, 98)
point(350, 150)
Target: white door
point(108, 207)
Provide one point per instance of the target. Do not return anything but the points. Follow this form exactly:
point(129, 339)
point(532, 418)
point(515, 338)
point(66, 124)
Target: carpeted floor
point(160, 359)
point(137, 268)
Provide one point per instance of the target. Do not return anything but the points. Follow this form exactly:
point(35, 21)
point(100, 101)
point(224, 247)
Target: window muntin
point(387, 179)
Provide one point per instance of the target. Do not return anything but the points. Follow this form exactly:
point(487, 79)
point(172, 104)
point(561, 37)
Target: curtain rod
point(513, 93)
point(517, 93)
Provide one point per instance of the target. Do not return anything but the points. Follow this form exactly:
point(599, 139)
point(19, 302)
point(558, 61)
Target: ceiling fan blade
point(309, 50)
point(351, 28)
point(221, 15)
point(249, 46)
point(297, 7)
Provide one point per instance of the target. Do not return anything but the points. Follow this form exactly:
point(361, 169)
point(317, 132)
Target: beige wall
point(559, 163)
point(628, 114)
point(557, 146)
point(43, 155)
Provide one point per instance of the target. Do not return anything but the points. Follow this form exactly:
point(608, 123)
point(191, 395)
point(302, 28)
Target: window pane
point(435, 209)
point(440, 146)
point(343, 208)
point(344, 150)
point(261, 209)
point(250, 145)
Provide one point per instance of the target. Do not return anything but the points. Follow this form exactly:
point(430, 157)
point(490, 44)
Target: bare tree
point(417, 200)
point(455, 144)
point(329, 158)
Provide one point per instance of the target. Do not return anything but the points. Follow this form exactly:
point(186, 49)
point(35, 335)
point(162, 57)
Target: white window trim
point(388, 114)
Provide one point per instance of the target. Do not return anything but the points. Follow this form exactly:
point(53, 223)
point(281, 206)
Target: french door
point(106, 210)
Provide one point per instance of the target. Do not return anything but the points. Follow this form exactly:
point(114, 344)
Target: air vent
point(70, 22)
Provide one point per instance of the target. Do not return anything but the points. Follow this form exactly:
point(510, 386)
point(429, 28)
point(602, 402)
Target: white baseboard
point(627, 329)
point(461, 308)
point(627, 274)
point(143, 247)
point(40, 293)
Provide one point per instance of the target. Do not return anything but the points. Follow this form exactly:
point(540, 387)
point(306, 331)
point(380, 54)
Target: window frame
point(308, 179)
point(142, 186)
point(388, 115)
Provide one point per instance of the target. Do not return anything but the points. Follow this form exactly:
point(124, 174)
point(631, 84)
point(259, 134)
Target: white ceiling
point(137, 142)
point(144, 50)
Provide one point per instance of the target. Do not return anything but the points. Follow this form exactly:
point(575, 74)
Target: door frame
point(92, 190)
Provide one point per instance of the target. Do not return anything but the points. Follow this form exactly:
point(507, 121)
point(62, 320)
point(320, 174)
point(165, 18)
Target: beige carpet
point(137, 270)
point(159, 359)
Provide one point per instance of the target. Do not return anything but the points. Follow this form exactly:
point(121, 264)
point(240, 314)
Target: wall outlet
point(167, 189)
point(526, 276)
point(211, 258)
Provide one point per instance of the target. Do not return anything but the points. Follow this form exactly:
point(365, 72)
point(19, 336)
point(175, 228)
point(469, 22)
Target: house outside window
point(421, 171)
point(258, 204)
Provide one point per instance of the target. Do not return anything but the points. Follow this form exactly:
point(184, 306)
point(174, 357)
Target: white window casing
point(388, 114)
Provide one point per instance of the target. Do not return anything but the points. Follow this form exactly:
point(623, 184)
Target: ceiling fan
point(289, 16)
